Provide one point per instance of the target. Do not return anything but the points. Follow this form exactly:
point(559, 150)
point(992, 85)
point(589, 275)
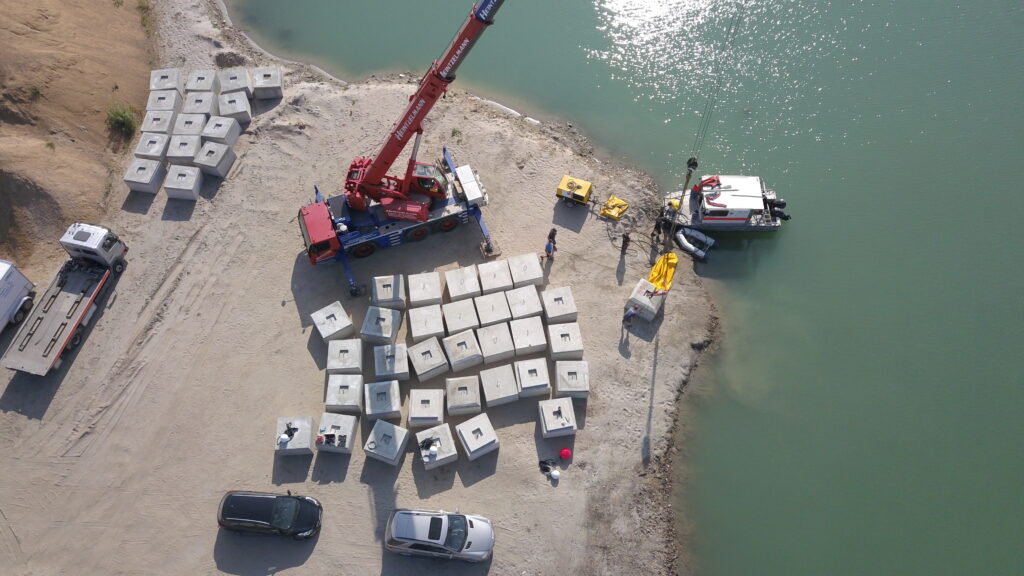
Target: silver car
point(439, 534)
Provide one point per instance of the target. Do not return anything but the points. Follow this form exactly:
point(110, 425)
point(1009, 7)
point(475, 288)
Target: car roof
point(416, 525)
point(249, 506)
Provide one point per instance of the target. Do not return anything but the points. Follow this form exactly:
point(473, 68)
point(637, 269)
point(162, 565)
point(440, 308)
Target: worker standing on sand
point(549, 250)
point(632, 312)
point(551, 237)
point(625, 243)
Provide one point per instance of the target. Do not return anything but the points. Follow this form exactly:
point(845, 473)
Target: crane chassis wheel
point(417, 234)
point(448, 224)
point(363, 250)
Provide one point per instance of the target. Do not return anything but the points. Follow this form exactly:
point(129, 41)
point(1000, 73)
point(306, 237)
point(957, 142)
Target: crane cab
point(318, 233)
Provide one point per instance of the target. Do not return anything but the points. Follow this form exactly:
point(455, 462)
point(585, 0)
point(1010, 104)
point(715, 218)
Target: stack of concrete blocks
point(425, 289)
point(528, 336)
point(164, 101)
point(495, 277)
point(499, 385)
point(235, 105)
point(204, 103)
point(557, 418)
point(524, 302)
point(532, 377)
point(299, 442)
point(182, 149)
point(526, 270)
point(221, 130)
point(439, 436)
point(492, 309)
point(463, 395)
point(157, 122)
point(183, 182)
point(426, 322)
point(345, 356)
point(234, 80)
point(572, 379)
point(559, 305)
point(428, 359)
point(496, 343)
point(202, 81)
point(646, 299)
point(215, 159)
point(167, 79)
point(152, 146)
point(381, 325)
point(344, 393)
point(391, 362)
point(189, 125)
point(386, 442)
point(145, 175)
point(337, 433)
point(332, 322)
point(460, 316)
point(477, 436)
point(426, 407)
point(462, 283)
point(566, 341)
point(463, 351)
point(388, 292)
point(267, 84)
point(382, 400)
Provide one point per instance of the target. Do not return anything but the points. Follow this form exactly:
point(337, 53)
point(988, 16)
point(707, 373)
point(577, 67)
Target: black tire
point(448, 224)
point(363, 250)
point(118, 266)
point(19, 316)
point(417, 234)
point(75, 340)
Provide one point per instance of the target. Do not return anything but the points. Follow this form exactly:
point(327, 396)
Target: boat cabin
point(735, 203)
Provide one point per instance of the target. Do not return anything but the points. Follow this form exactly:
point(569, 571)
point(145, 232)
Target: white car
point(439, 534)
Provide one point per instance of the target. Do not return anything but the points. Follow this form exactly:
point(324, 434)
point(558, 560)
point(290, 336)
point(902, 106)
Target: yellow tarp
point(614, 207)
point(663, 271)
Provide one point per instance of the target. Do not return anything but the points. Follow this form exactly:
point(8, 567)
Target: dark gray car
point(263, 513)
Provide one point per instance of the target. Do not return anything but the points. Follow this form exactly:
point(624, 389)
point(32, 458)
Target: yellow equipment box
point(574, 190)
point(614, 207)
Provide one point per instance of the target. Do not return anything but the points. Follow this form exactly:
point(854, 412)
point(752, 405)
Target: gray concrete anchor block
point(344, 393)
point(532, 377)
point(266, 83)
point(235, 105)
point(441, 438)
point(463, 351)
point(463, 395)
point(332, 322)
point(386, 442)
point(492, 309)
point(426, 322)
point(524, 302)
point(337, 433)
point(164, 101)
point(477, 436)
point(202, 81)
point(381, 325)
point(566, 341)
point(382, 400)
point(152, 146)
point(188, 124)
point(557, 417)
point(495, 276)
point(215, 159)
point(460, 316)
point(181, 149)
point(526, 270)
point(235, 80)
point(391, 362)
point(144, 175)
point(158, 122)
point(428, 359)
point(388, 291)
point(426, 408)
point(496, 343)
point(222, 130)
point(166, 79)
point(425, 289)
point(345, 356)
point(572, 378)
point(499, 385)
point(183, 182)
point(204, 103)
point(294, 436)
point(646, 299)
point(462, 283)
point(528, 335)
point(559, 305)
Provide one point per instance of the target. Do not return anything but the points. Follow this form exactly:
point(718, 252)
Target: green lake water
point(865, 413)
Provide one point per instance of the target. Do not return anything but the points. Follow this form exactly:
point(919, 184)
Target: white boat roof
point(737, 192)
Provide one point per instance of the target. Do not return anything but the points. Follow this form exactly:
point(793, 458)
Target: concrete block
point(382, 400)
point(566, 341)
point(189, 124)
point(164, 101)
point(181, 149)
point(526, 270)
point(222, 130)
point(267, 84)
point(381, 325)
point(646, 299)
point(463, 395)
point(332, 322)
point(391, 362)
point(388, 292)
point(495, 276)
point(345, 356)
point(428, 359)
point(202, 81)
point(426, 322)
point(144, 175)
point(528, 335)
point(215, 159)
point(532, 377)
point(463, 351)
point(462, 283)
point(166, 79)
point(426, 408)
point(235, 80)
point(492, 309)
point(499, 385)
point(439, 436)
point(557, 417)
point(344, 393)
point(235, 105)
point(425, 289)
point(477, 436)
point(559, 305)
point(294, 436)
point(386, 442)
point(460, 316)
point(495, 343)
point(183, 182)
point(524, 302)
point(572, 378)
point(152, 146)
point(204, 103)
point(158, 122)
point(337, 433)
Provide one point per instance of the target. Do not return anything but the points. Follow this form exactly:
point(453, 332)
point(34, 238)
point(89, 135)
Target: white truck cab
point(95, 243)
point(17, 294)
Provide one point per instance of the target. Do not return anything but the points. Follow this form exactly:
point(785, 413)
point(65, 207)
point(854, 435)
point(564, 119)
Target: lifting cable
point(728, 43)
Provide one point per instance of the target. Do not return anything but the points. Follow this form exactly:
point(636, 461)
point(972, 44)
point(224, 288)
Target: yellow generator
point(574, 190)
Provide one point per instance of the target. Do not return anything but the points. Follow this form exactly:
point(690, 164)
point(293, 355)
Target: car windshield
point(286, 509)
point(456, 538)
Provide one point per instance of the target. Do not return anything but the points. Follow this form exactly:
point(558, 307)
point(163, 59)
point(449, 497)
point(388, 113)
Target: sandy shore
point(115, 463)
